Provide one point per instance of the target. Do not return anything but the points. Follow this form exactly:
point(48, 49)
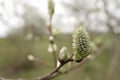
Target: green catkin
point(81, 44)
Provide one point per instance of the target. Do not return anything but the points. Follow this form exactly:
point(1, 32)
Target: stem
point(52, 42)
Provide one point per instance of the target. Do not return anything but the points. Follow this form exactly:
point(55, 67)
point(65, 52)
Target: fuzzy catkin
point(81, 43)
point(63, 55)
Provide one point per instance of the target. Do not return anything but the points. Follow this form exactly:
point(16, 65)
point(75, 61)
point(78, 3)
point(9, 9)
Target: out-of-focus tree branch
point(110, 17)
point(114, 61)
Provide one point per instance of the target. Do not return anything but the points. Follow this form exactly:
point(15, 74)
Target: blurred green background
point(14, 62)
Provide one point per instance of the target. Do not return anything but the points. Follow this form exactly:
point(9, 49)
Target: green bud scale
point(51, 7)
point(81, 44)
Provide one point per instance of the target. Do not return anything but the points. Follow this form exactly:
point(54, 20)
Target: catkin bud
point(51, 39)
point(81, 44)
point(30, 57)
point(52, 48)
point(63, 55)
point(51, 7)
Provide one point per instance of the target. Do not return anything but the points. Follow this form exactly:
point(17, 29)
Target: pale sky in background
point(41, 6)
point(62, 18)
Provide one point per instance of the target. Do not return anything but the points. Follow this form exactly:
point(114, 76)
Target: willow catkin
point(63, 54)
point(81, 43)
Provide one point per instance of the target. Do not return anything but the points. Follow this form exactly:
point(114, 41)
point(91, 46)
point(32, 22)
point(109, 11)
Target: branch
point(56, 72)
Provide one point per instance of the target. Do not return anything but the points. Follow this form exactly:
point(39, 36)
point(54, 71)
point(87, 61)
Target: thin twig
point(37, 60)
point(52, 41)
